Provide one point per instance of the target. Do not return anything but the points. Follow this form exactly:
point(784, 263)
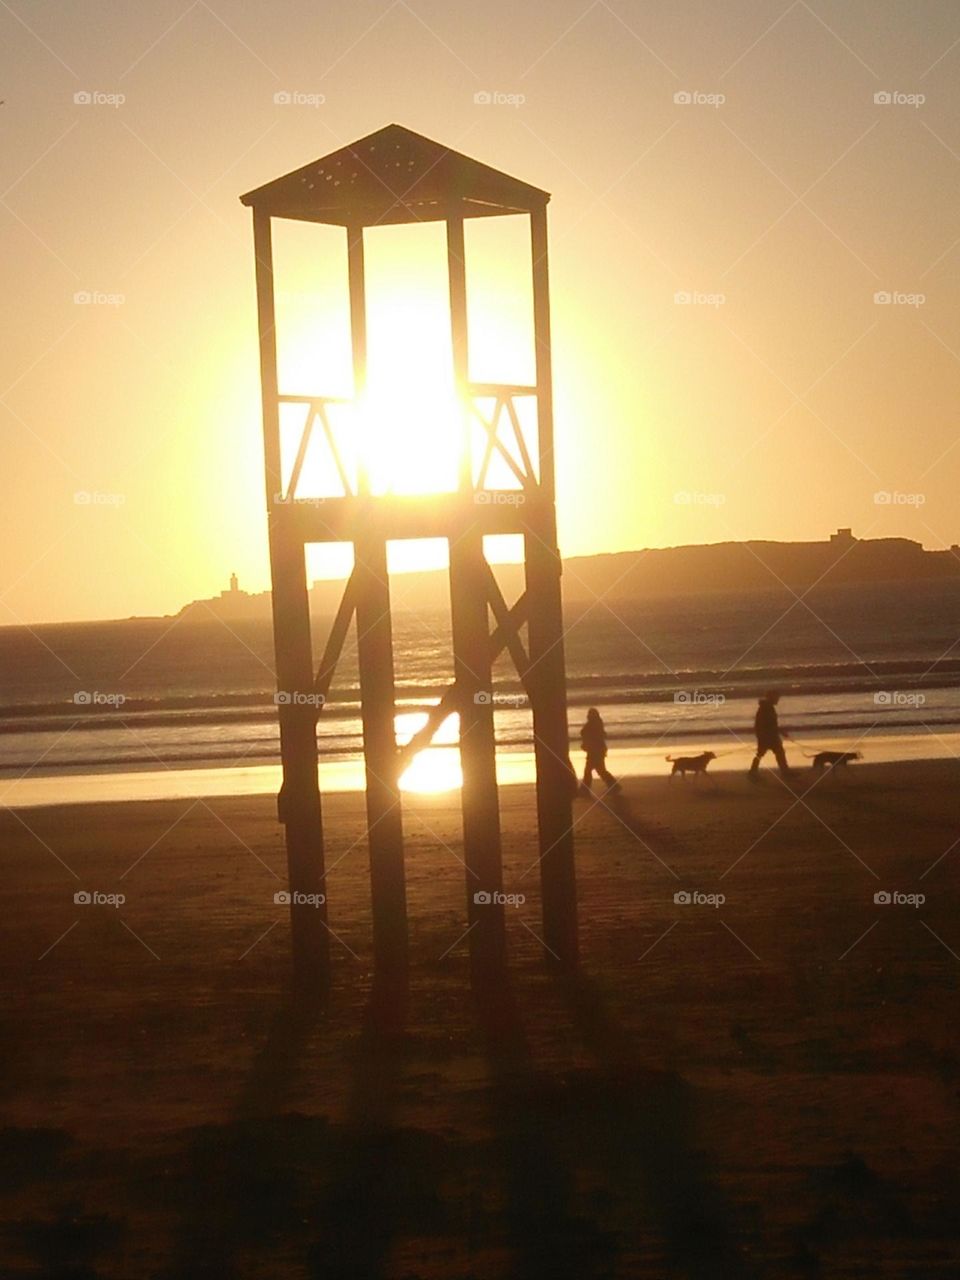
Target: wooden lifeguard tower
point(397, 176)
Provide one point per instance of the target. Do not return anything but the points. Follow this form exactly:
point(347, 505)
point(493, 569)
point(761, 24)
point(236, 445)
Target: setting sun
point(407, 424)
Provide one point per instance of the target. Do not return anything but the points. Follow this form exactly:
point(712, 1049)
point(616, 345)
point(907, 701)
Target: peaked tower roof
point(393, 175)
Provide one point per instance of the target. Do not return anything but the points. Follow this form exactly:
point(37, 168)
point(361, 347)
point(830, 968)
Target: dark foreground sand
point(765, 1088)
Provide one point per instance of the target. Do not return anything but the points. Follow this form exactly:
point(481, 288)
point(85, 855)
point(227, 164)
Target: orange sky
point(782, 198)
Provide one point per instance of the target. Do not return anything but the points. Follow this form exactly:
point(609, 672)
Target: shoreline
point(435, 772)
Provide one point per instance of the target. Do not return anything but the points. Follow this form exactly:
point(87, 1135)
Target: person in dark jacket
point(769, 737)
point(593, 739)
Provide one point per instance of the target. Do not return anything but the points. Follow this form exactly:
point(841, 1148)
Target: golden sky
point(733, 187)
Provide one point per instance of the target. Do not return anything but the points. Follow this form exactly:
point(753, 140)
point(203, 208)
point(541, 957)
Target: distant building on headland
point(231, 604)
point(843, 538)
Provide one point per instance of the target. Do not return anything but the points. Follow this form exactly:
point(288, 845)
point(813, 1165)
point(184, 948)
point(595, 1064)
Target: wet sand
point(767, 1086)
point(438, 769)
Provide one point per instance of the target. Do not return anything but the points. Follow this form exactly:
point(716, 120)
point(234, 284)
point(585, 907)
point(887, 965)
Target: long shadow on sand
point(599, 1164)
point(643, 1123)
point(381, 1177)
point(276, 1180)
point(587, 1173)
point(532, 1153)
point(653, 836)
point(239, 1177)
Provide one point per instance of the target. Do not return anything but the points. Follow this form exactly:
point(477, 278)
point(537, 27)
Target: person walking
point(766, 726)
point(593, 740)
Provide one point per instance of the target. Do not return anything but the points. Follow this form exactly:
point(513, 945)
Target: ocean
point(867, 665)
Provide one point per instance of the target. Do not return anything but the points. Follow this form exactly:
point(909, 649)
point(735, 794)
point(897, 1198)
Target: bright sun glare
point(436, 768)
point(411, 415)
point(409, 422)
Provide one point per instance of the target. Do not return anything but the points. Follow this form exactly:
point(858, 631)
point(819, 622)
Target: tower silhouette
point(395, 176)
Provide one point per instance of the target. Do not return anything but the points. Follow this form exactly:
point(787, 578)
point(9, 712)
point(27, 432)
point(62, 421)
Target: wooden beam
point(301, 454)
point(494, 442)
point(489, 427)
point(449, 700)
point(377, 693)
point(542, 349)
point(358, 335)
point(299, 799)
point(531, 477)
point(556, 782)
point(267, 327)
point(377, 711)
point(435, 717)
point(400, 516)
point(518, 615)
point(505, 623)
point(479, 796)
point(457, 280)
point(494, 389)
point(336, 638)
point(472, 663)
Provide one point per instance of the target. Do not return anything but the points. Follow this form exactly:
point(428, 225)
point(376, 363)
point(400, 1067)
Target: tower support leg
point(299, 801)
point(481, 806)
point(556, 781)
point(384, 816)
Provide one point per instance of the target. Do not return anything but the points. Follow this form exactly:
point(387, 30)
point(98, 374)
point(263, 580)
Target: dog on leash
point(697, 765)
point(834, 759)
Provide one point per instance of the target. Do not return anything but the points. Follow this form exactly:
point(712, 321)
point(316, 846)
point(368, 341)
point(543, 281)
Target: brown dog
point(696, 765)
point(834, 759)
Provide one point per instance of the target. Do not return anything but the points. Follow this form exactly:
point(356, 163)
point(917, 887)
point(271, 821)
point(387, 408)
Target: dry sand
point(763, 1088)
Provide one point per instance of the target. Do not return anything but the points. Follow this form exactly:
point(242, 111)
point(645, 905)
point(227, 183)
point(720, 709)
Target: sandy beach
point(763, 1085)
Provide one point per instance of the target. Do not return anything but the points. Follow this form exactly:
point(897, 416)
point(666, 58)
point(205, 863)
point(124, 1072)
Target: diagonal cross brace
point(338, 634)
point(514, 618)
point(492, 429)
point(507, 626)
